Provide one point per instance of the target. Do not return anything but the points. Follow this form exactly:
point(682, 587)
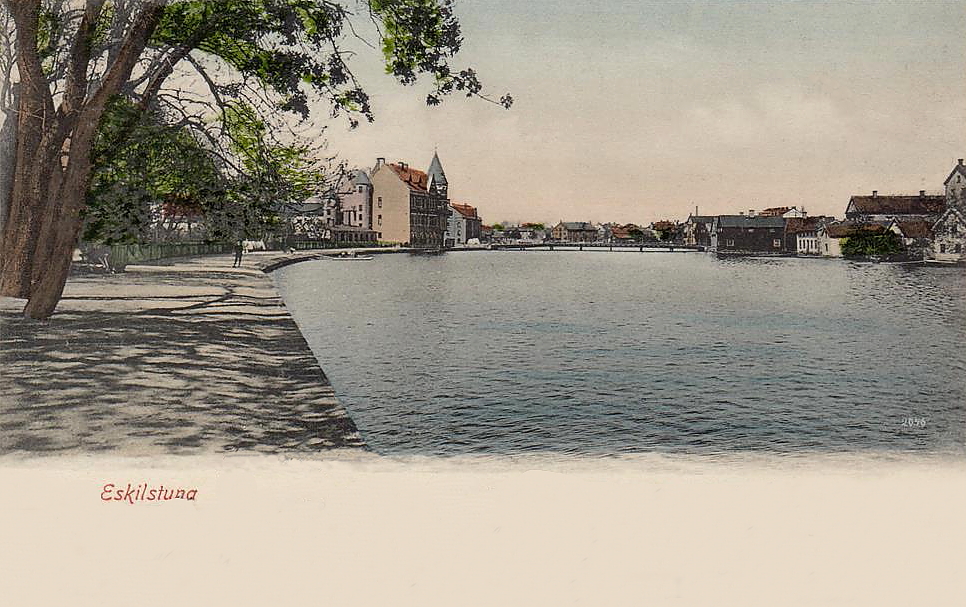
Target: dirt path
point(191, 356)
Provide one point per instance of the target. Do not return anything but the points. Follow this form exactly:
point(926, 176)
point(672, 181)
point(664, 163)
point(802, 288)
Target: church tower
point(437, 178)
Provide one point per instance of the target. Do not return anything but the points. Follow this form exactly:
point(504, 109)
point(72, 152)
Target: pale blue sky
point(636, 111)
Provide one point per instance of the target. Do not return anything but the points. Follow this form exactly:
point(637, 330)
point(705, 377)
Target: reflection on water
point(608, 353)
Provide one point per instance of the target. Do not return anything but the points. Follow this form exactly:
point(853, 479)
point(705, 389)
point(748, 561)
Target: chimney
point(922, 193)
point(960, 162)
point(875, 193)
point(742, 213)
point(402, 164)
point(751, 212)
point(380, 162)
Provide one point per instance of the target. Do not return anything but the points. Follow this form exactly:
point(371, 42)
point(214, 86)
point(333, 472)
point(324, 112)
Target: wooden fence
point(122, 255)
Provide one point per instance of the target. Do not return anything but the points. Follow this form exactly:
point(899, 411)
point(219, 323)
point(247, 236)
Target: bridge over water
point(647, 247)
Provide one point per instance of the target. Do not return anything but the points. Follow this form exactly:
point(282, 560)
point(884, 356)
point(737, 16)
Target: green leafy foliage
point(158, 165)
point(274, 181)
point(289, 46)
point(285, 53)
point(165, 167)
point(872, 243)
point(295, 48)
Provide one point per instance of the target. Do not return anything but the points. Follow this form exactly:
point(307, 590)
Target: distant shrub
point(872, 243)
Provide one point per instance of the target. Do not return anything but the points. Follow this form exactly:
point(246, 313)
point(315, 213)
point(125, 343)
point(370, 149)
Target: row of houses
point(393, 203)
point(923, 226)
point(399, 204)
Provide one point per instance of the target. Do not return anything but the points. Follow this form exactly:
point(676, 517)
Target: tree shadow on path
point(175, 374)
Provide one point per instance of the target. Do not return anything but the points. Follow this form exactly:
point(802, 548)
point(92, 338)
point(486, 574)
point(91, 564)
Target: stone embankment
point(181, 356)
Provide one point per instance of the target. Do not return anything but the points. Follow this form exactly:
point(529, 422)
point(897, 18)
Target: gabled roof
point(465, 210)
point(578, 225)
point(435, 171)
point(415, 179)
point(700, 218)
point(744, 221)
point(897, 205)
point(794, 225)
point(314, 206)
point(959, 168)
point(915, 228)
point(774, 211)
point(849, 228)
point(623, 232)
point(945, 217)
point(360, 177)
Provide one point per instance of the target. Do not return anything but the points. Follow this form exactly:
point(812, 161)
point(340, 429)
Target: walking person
point(239, 249)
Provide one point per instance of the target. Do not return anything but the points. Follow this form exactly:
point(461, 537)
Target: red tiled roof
point(898, 205)
point(173, 209)
point(915, 229)
point(465, 210)
point(843, 230)
point(794, 225)
point(621, 232)
point(415, 179)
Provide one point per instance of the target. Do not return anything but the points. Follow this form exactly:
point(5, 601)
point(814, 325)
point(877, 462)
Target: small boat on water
point(347, 257)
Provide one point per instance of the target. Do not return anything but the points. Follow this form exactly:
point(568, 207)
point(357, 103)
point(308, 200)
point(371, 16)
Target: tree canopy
point(206, 83)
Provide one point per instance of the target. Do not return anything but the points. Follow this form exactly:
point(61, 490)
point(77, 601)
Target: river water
point(606, 353)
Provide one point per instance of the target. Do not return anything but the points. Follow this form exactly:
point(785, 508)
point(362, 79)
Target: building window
point(958, 248)
point(379, 220)
point(380, 202)
point(776, 243)
point(942, 248)
point(729, 243)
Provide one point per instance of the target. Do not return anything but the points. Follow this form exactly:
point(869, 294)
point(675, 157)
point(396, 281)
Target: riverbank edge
point(306, 384)
point(282, 259)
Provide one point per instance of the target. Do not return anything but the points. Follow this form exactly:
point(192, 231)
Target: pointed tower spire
point(437, 178)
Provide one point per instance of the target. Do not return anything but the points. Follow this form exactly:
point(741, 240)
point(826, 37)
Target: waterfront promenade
point(180, 356)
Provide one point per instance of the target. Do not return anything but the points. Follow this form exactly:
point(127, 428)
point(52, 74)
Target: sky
point(639, 111)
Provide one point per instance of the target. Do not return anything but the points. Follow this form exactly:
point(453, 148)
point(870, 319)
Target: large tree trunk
point(8, 156)
point(53, 164)
point(52, 260)
point(32, 169)
point(61, 223)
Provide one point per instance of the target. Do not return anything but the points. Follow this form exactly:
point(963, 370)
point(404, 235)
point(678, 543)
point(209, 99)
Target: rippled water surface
point(606, 353)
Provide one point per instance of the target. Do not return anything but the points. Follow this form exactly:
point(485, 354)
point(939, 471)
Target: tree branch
point(75, 88)
point(34, 91)
point(127, 57)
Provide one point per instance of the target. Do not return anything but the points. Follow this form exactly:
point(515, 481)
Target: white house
point(794, 213)
point(949, 236)
point(455, 228)
point(956, 185)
